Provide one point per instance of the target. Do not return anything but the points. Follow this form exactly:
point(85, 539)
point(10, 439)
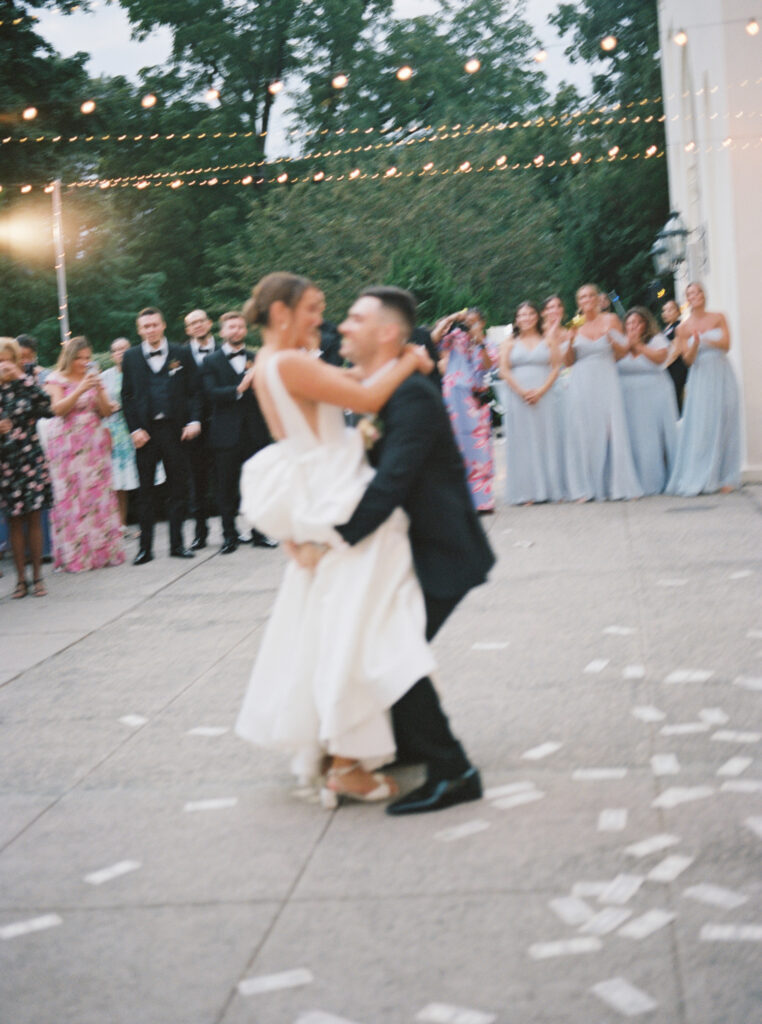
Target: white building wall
point(713, 106)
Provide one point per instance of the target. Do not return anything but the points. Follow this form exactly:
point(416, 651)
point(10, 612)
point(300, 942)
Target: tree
point(606, 227)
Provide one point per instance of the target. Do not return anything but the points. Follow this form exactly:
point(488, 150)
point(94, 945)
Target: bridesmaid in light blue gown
point(649, 400)
point(709, 448)
point(529, 366)
point(558, 336)
point(599, 462)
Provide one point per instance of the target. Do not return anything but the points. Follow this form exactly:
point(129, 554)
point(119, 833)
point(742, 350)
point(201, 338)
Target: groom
point(418, 468)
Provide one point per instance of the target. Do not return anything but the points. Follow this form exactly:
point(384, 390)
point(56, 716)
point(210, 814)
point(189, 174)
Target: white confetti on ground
point(732, 736)
point(216, 804)
point(619, 630)
point(731, 933)
point(654, 844)
point(753, 683)
point(742, 786)
point(620, 995)
point(589, 890)
point(612, 819)
point(741, 574)
point(596, 665)
point(443, 1013)
point(468, 828)
point(274, 982)
point(684, 729)
point(713, 716)
point(133, 720)
point(598, 774)
point(606, 921)
point(681, 795)
point(518, 799)
point(544, 750)
point(572, 910)
point(648, 713)
point(665, 764)
point(735, 766)
point(34, 924)
point(689, 675)
point(755, 824)
point(208, 730)
point(123, 867)
point(670, 868)
point(650, 922)
point(716, 896)
point(634, 672)
point(565, 947)
point(622, 889)
point(320, 1017)
point(754, 634)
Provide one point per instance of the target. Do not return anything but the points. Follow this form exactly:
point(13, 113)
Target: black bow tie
point(155, 352)
point(232, 355)
point(205, 351)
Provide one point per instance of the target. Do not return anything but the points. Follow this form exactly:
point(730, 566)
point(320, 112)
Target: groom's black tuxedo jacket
point(233, 420)
point(419, 467)
point(184, 398)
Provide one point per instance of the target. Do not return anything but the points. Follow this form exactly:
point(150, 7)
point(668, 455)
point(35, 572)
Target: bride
point(345, 639)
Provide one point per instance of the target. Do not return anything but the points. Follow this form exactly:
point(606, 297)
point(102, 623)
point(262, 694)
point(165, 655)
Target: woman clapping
point(86, 528)
point(649, 400)
point(24, 482)
point(709, 449)
point(529, 365)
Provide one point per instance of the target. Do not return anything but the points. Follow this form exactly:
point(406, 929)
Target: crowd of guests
point(597, 409)
point(594, 409)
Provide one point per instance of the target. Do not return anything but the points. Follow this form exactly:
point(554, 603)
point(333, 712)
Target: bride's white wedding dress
point(344, 642)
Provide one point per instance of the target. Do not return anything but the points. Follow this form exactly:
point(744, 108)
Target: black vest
point(158, 392)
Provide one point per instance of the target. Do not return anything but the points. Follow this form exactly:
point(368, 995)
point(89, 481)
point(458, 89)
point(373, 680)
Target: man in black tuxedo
point(236, 426)
point(160, 402)
point(419, 468)
point(201, 343)
point(678, 371)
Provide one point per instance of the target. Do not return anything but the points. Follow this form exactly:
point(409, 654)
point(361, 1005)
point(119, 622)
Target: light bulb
point(472, 66)
point(275, 87)
point(340, 81)
point(681, 37)
point(30, 113)
point(405, 73)
point(609, 43)
point(88, 107)
point(752, 27)
point(148, 101)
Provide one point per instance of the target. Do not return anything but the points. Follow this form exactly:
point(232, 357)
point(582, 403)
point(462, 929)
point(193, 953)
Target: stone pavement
point(607, 681)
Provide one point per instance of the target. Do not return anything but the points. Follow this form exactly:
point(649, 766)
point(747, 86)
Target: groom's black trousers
point(421, 729)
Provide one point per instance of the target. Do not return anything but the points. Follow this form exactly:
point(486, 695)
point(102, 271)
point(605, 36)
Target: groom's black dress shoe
point(228, 547)
point(436, 795)
point(142, 557)
point(198, 544)
point(181, 553)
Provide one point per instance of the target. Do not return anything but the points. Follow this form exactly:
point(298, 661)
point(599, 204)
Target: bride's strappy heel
point(331, 796)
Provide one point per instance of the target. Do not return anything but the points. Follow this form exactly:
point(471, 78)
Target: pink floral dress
point(471, 421)
point(85, 517)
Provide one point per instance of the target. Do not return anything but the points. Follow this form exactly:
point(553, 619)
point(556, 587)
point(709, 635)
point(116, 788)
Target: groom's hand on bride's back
point(306, 555)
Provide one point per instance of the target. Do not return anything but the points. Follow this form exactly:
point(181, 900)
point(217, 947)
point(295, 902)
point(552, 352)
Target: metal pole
point(58, 240)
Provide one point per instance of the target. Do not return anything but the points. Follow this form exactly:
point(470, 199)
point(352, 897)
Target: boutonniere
point(371, 430)
point(174, 366)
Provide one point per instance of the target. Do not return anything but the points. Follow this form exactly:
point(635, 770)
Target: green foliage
point(491, 238)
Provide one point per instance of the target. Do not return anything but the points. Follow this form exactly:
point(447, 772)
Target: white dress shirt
point(198, 356)
point(156, 364)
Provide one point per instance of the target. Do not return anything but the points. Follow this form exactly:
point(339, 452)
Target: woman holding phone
point(85, 518)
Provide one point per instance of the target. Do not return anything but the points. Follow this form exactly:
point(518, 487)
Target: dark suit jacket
point(184, 405)
point(197, 370)
point(420, 469)
point(231, 416)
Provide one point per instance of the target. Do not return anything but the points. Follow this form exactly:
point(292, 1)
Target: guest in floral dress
point(24, 481)
point(466, 360)
point(86, 529)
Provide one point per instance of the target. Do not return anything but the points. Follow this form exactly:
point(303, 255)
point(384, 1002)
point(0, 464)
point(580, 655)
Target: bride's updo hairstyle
point(277, 287)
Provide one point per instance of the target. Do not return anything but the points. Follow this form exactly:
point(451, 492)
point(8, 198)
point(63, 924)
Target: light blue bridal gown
point(651, 410)
point(709, 447)
point(598, 455)
point(534, 467)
